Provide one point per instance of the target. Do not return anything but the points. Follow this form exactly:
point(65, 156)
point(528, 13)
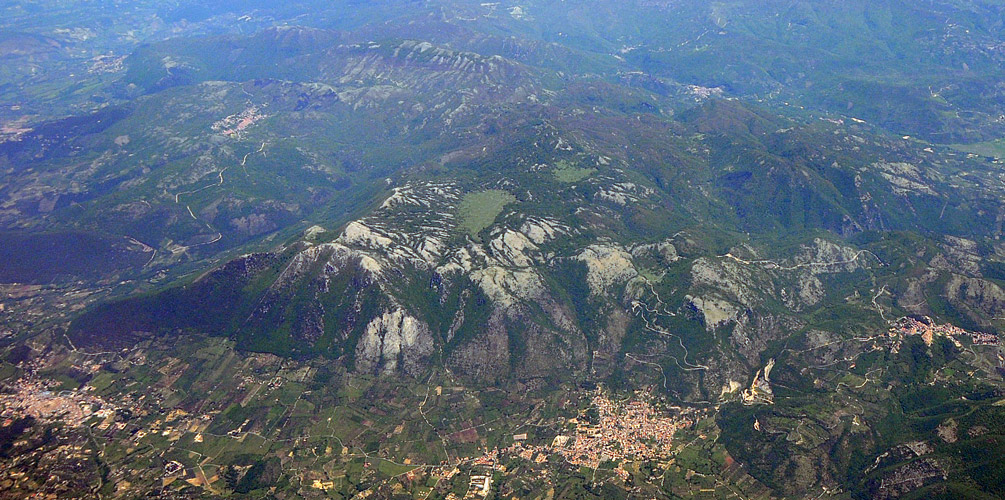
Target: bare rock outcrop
point(395, 340)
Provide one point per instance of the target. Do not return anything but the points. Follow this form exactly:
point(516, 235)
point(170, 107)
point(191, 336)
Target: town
point(613, 431)
point(928, 329)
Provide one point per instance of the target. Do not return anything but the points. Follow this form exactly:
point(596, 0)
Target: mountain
point(422, 249)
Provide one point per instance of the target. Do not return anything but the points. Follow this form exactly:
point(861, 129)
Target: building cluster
point(36, 398)
point(622, 430)
point(928, 329)
point(480, 484)
point(234, 124)
point(617, 431)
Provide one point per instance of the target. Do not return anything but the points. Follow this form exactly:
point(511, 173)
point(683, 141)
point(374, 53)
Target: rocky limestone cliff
point(394, 341)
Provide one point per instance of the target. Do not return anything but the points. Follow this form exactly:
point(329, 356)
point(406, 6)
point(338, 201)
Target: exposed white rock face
point(358, 233)
point(730, 388)
point(622, 193)
point(460, 261)
point(298, 265)
point(506, 287)
point(760, 391)
point(313, 231)
point(742, 280)
point(371, 77)
point(417, 195)
point(411, 226)
point(607, 266)
point(372, 96)
point(976, 293)
point(811, 290)
point(664, 250)
point(905, 178)
point(409, 230)
point(340, 256)
point(541, 230)
point(961, 256)
point(717, 312)
point(393, 340)
point(414, 228)
point(727, 276)
point(369, 263)
point(414, 224)
point(826, 256)
point(431, 249)
point(512, 248)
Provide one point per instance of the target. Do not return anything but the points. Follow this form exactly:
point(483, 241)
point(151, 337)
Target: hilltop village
point(929, 330)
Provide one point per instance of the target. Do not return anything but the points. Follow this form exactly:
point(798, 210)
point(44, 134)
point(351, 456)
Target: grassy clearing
point(569, 173)
point(994, 148)
point(479, 210)
point(391, 469)
point(7, 371)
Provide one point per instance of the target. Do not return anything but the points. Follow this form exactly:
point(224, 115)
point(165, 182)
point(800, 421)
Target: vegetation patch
point(568, 173)
point(59, 256)
point(391, 469)
point(995, 148)
point(479, 210)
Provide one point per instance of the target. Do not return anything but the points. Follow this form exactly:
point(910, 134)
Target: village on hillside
point(928, 329)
